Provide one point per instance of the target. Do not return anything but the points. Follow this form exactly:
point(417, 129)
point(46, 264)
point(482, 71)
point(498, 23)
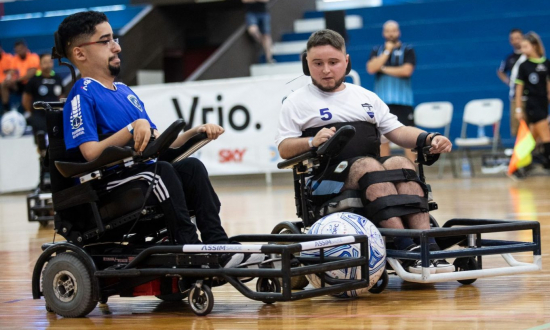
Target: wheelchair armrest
point(110, 156)
point(187, 149)
point(163, 141)
point(291, 162)
point(331, 148)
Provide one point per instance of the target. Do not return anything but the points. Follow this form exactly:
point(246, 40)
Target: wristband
point(518, 110)
point(310, 143)
point(130, 129)
point(387, 52)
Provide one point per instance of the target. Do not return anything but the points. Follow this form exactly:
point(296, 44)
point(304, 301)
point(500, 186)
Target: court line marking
point(541, 327)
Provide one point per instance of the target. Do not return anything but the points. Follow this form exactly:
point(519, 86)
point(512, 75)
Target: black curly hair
point(78, 26)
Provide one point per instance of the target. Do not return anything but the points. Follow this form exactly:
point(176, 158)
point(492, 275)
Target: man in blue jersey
point(393, 64)
point(99, 105)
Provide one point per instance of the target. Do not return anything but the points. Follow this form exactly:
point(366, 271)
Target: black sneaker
point(230, 260)
point(416, 268)
point(442, 266)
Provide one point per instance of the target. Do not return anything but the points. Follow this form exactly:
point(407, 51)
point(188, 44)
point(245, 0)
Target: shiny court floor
point(249, 206)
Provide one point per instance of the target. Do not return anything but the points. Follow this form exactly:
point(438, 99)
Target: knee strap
point(387, 207)
point(393, 176)
point(391, 206)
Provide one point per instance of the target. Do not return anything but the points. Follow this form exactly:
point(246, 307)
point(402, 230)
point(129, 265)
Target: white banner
point(248, 108)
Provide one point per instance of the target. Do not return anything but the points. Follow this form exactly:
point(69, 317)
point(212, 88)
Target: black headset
point(58, 52)
point(305, 67)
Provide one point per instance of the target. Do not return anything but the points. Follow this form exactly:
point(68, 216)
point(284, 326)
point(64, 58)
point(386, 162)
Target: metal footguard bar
point(467, 232)
point(311, 265)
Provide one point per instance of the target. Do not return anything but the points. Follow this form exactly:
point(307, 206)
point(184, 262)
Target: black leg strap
point(393, 176)
point(391, 206)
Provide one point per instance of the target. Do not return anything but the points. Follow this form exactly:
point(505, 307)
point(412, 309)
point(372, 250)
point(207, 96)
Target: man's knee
point(407, 187)
point(253, 30)
point(398, 162)
point(190, 168)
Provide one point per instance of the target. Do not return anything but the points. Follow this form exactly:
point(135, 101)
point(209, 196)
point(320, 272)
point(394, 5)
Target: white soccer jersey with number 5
point(310, 107)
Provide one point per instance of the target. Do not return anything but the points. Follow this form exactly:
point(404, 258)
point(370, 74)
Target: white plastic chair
point(481, 113)
point(435, 115)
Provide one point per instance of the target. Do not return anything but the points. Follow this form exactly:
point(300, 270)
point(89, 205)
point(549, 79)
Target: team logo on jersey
point(76, 117)
point(540, 67)
point(57, 89)
point(134, 100)
point(534, 78)
point(368, 109)
point(86, 83)
point(43, 90)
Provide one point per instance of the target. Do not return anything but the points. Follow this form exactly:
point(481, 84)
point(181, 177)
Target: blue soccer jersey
point(91, 107)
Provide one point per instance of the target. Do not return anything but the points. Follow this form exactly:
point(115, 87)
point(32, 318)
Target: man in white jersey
point(311, 115)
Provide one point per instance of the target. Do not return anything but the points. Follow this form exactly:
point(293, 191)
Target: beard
point(329, 89)
point(114, 70)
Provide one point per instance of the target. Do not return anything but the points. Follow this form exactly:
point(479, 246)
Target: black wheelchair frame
point(39, 202)
point(93, 265)
point(466, 233)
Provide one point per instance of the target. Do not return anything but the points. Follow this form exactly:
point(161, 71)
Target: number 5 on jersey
point(325, 114)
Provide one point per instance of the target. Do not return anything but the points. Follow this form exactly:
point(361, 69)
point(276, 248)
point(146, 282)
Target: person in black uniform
point(532, 83)
point(258, 25)
point(504, 73)
point(46, 86)
point(393, 64)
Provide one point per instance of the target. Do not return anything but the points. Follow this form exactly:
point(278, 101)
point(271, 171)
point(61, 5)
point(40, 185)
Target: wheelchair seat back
point(86, 213)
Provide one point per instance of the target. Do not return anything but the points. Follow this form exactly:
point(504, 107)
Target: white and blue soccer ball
point(13, 124)
point(344, 223)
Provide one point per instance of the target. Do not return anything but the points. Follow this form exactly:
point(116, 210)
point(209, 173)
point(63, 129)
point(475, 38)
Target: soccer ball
point(344, 223)
point(13, 124)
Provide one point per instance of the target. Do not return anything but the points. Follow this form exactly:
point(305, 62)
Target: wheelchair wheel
point(67, 286)
point(464, 264)
point(201, 300)
point(289, 228)
point(382, 283)
point(265, 284)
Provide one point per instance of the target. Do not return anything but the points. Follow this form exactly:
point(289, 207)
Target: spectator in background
point(44, 86)
point(24, 66)
point(258, 25)
point(393, 65)
point(507, 72)
point(532, 83)
point(5, 68)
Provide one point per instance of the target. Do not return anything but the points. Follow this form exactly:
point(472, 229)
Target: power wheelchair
point(463, 233)
point(117, 244)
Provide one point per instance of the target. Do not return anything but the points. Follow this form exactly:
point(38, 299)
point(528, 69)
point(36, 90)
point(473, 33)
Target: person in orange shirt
point(5, 67)
point(24, 65)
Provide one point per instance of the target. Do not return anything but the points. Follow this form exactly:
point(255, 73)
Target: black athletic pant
point(179, 188)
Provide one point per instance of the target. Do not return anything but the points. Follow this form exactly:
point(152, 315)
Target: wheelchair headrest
point(337, 142)
point(58, 51)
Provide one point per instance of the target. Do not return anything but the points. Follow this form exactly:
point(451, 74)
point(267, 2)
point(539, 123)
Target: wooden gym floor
point(249, 206)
